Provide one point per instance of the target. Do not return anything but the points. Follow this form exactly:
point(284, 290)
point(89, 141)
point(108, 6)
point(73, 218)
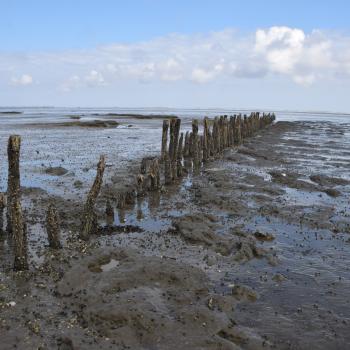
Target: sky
point(195, 54)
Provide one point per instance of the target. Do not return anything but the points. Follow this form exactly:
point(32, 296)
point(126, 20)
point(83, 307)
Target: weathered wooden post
point(53, 228)
point(195, 150)
point(15, 222)
point(140, 180)
point(2, 207)
point(179, 155)
point(172, 138)
point(225, 126)
point(19, 236)
point(211, 151)
point(239, 130)
point(164, 139)
point(89, 220)
point(13, 180)
point(206, 140)
point(186, 149)
point(232, 130)
point(154, 175)
point(216, 136)
point(173, 155)
point(109, 213)
point(167, 171)
point(120, 200)
point(176, 137)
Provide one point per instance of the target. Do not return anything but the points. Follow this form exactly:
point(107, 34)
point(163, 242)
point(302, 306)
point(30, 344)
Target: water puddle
point(110, 265)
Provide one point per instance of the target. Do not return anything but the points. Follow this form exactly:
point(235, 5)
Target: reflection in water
point(121, 216)
point(139, 213)
point(153, 201)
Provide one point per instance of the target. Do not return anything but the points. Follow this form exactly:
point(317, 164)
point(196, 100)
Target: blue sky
point(52, 24)
point(176, 53)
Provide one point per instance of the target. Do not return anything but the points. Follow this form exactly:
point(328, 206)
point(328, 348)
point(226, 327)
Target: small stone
point(244, 292)
point(279, 277)
point(261, 236)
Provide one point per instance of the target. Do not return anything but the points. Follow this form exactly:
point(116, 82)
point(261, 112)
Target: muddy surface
point(251, 252)
point(79, 123)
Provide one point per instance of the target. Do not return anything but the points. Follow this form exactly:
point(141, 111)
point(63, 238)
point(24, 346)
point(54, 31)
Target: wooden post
point(172, 138)
point(140, 180)
point(15, 222)
point(167, 171)
point(13, 180)
point(179, 156)
point(180, 146)
point(173, 155)
point(2, 207)
point(89, 221)
point(109, 213)
point(206, 140)
point(216, 135)
point(176, 138)
point(195, 151)
point(164, 139)
point(186, 150)
point(120, 199)
point(52, 227)
point(19, 236)
point(154, 175)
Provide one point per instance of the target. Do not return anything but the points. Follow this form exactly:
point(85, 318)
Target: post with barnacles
point(89, 220)
point(15, 221)
point(53, 228)
point(13, 181)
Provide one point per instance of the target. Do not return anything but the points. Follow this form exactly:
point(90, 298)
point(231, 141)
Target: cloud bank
point(23, 80)
point(306, 59)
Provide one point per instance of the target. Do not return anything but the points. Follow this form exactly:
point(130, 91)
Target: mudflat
point(251, 251)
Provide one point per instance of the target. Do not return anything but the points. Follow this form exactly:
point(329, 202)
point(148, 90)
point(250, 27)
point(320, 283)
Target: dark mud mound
point(56, 171)
point(143, 302)
point(328, 181)
point(135, 115)
point(11, 112)
point(90, 124)
point(201, 230)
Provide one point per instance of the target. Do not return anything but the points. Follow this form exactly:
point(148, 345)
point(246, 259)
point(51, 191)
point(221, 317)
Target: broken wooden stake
point(89, 221)
point(53, 228)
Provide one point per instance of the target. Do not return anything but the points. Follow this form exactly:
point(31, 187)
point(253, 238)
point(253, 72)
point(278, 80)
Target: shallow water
point(77, 149)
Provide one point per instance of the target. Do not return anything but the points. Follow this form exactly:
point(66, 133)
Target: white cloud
point(94, 78)
point(23, 80)
point(282, 52)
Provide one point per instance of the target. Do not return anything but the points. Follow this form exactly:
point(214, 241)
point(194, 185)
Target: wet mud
point(250, 252)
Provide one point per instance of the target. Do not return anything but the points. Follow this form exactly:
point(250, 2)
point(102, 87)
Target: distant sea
point(51, 114)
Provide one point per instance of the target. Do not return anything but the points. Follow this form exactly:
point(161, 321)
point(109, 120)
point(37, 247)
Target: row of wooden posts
point(178, 152)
